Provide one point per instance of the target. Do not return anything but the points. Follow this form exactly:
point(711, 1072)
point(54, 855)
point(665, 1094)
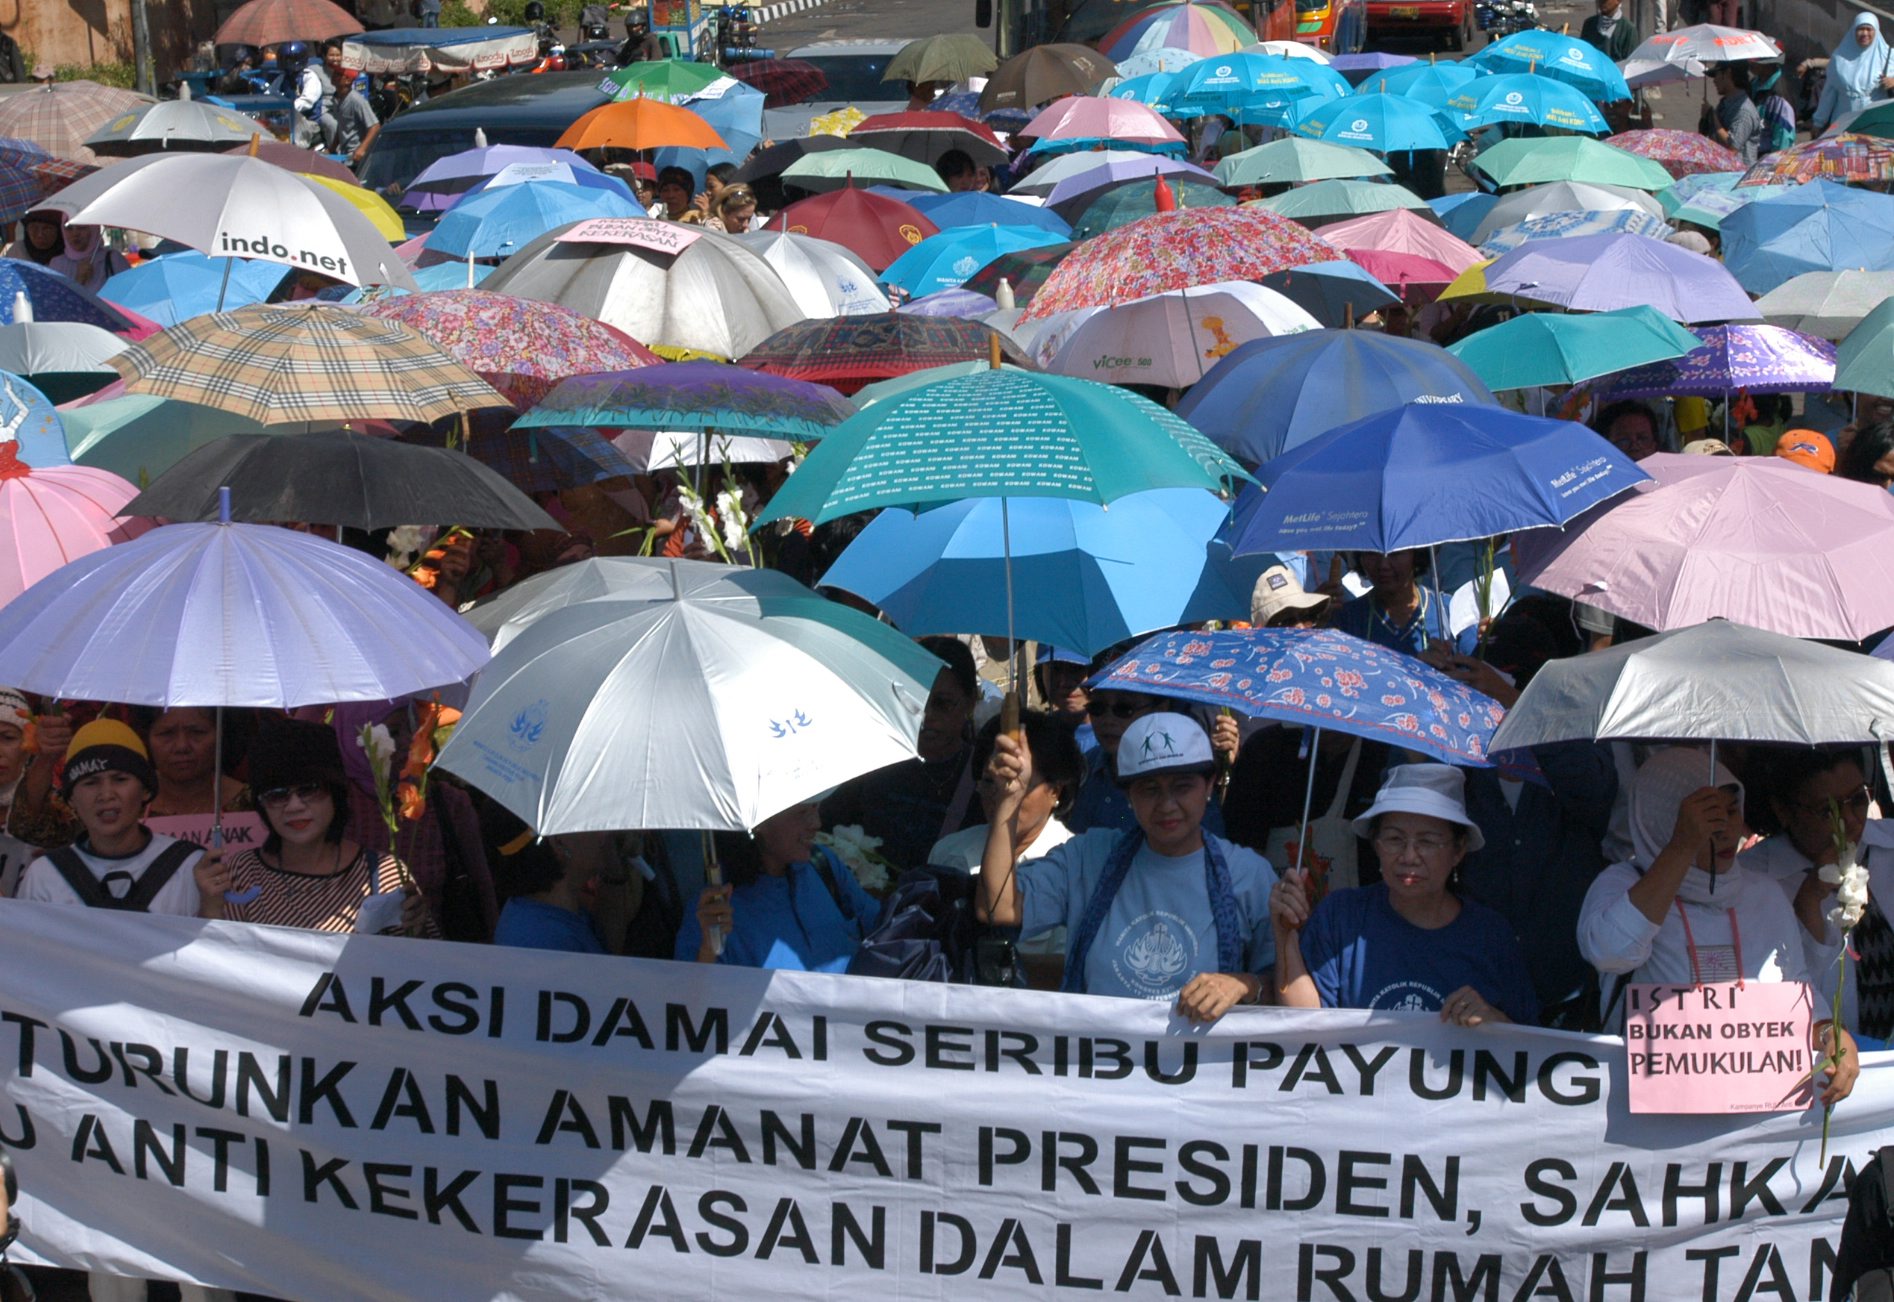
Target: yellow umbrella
point(372, 206)
point(838, 123)
point(1470, 286)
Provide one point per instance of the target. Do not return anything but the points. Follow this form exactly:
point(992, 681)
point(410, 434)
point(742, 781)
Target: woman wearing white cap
point(1407, 943)
point(1165, 911)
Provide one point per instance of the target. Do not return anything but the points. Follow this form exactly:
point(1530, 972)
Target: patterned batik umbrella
point(1848, 158)
point(1756, 358)
point(60, 115)
point(693, 396)
point(1174, 250)
point(782, 81)
point(520, 346)
point(846, 353)
point(1681, 153)
point(1024, 271)
point(284, 363)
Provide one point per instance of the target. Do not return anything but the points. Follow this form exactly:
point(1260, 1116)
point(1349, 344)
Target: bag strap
point(72, 868)
point(1617, 986)
point(1346, 786)
point(157, 876)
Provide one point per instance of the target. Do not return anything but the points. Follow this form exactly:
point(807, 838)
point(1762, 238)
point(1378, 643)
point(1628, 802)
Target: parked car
point(1450, 22)
point(510, 110)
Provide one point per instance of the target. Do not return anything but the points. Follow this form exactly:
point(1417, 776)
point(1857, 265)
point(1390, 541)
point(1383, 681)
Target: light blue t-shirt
point(1159, 932)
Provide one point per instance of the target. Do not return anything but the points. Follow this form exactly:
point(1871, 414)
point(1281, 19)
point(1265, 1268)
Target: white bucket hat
point(1163, 743)
point(1437, 790)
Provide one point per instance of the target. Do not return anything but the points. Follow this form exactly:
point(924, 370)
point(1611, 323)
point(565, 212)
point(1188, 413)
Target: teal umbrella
point(1382, 123)
point(1547, 348)
point(1330, 200)
point(834, 168)
point(1533, 160)
point(1865, 360)
point(1293, 160)
point(139, 437)
point(944, 261)
point(1124, 204)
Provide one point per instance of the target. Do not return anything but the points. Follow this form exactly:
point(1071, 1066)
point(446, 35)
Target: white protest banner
point(315, 1116)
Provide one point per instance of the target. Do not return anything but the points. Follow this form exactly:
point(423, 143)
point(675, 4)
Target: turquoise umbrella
point(1546, 348)
point(1563, 58)
point(1430, 83)
point(1243, 84)
point(1527, 99)
point(1381, 123)
point(1864, 362)
point(1295, 161)
point(1153, 88)
point(946, 260)
point(1329, 200)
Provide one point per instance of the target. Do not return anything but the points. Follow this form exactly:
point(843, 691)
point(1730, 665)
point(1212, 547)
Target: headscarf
point(1658, 790)
point(24, 248)
point(1858, 71)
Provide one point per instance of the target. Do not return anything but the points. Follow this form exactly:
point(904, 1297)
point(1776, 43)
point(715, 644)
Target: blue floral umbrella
point(54, 297)
point(1555, 225)
point(28, 418)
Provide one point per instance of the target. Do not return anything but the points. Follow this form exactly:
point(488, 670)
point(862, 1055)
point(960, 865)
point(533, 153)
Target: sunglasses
point(1120, 709)
point(277, 797)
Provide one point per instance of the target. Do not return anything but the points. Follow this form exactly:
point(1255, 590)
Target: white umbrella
point(1826, 304)
point(663, 283)
point(182, 121)
point(1562, 196)
point(1716, 681)
point(235, 205)
point(1705, 43)
point(630, 578)
point(650, 449)
point(1289, 50)
point(702, 710)
point(35, 347)
point(1171, 339)
point(825, 278)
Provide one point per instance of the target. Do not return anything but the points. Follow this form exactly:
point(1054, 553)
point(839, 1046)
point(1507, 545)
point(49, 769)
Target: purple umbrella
point(1758, 358)
point(447, 179)
point(1083, 186)
point(1358, 68)
point(693, 396)
point(952, 302)
point(1600, 273)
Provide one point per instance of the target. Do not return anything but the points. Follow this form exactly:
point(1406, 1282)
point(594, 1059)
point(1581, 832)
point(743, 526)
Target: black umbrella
point(763, 171)
point(334, 477)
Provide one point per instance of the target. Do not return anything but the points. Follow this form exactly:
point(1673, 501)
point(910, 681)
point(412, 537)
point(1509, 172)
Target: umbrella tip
point(22, 308)
point(480, 137)
point(223, 504)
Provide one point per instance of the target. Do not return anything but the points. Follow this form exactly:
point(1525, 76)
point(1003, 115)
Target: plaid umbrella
point(782, 81)
point(1681, 153)
point(1847, 158)
point(518, 345)
point(1174, 250)
point(1023, 269)
point(54, 297)
point(20, 190)
point(271, 22)
point(58, 117)
point(846, 353)
point(276, 364)
point(55, 174)
point(546, 459)
point(694, 396)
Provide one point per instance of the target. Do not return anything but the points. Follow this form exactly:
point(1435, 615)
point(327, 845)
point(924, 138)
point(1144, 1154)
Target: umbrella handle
point(713, 876)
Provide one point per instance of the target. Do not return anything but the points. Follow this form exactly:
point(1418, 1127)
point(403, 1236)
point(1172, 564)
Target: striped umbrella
point(1203, 27)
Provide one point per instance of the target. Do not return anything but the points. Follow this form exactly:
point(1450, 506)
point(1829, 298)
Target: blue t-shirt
point(1363, 954)
point(1159, 932)
point(790, 922)
point(533, 924)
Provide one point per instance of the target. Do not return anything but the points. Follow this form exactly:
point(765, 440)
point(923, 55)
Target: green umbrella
point(669, 80)
point(835, 168)
point(1874, 120)
point(1546, 348)
point(1333, 200)
point(1530, 161)
point(1135, 200)
point(1865, 360)
point(1294, 161)
point(955, 56)
point(139, 437)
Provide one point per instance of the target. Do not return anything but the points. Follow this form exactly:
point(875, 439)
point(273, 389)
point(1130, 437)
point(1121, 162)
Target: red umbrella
point(927, 135)
point(292, 159)
point(875, 229)
point(847, 352)
point(782, 81)
point(271, 22)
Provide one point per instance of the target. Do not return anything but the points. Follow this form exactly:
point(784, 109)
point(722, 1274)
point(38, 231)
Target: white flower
point(735, 521)
point(872, 876)
point(1853, 893)
point(406, 543)
point(1830, 874)
point(377, 744)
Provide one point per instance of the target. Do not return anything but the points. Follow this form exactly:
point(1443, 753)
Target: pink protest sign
point(645, 233)
point(241, 831)
point(1719, 1048)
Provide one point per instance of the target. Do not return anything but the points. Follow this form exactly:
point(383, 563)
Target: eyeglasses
point(1858, 804)
point(1120, 709)
point(277, 797)
point(1394, 845)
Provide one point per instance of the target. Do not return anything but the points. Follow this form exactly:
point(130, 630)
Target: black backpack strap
point(824, 862)
point(72, 868)
point(157, 876)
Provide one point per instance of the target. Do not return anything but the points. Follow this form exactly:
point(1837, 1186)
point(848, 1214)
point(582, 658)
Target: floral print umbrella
point(1681, 153)
point(1758, 358)
point(1848, 158)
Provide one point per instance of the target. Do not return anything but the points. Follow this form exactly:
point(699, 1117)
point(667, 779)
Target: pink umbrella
point(1757, 540)
point(53, 514)
point(1414, 276)
point(1091, 117)
point(1401, 231)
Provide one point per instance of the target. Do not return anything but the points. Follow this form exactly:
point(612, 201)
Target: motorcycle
point(735, 39)
point(594, 24)
point(1498, 18)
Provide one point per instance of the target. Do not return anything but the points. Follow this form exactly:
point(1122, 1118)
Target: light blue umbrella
point(1462, 214)
point(1430, 83)
point(585, 178)
point(28, 418)
point(1084, 576)
point(1820, 226)
point(1526, 99)
point(1708, 208)
point(1244, 84)
point(442, 275)
point(180, 285)
point(961, 302)
point(1153, 88)
point(1379, 123)
point(1689, 187)
point(1563, 58)
point(1334, 293)
point(978, 208)
point(495, 223)
point(946, 260)
point(1555, 225)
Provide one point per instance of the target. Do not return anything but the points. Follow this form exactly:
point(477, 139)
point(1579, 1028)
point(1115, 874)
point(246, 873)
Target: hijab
point(1859, 71)
point(1657, 792)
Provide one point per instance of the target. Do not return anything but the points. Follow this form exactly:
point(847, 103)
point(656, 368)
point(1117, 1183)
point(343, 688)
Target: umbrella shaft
point(1308, 796)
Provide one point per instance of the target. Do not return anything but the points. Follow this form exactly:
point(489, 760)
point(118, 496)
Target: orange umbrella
point(640, 124)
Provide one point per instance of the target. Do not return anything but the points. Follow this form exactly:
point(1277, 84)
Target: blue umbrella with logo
point(946, 260)
point(1380, 123)
point(1563, 58)
point(1430, 83)
point(1526, 99)
point(1242, 84)
point(1153, 88)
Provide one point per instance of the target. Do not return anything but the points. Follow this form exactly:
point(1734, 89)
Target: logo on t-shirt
point(1152, 953)
point(1407, 997)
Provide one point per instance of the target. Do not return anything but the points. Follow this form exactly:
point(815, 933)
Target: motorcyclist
point(640, 46)
point(303, 81)
point(239, 69)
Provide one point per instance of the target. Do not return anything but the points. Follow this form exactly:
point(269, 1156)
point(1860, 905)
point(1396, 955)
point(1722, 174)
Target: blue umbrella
point(960, 302)
point(1242, 84)
point(1820, 226)
point(1319, 678)
point(442, 275)
point(1527, 99)
point(1153, 88)
point(737, 115)
point(1162, 58)
point(54, 297)
point(28, 418)
point(1084, 576)
point(1557, 225)
point(1427, 473)
point(978, 208)
point(446, 179)
point(180, 285)
point(1334, 293)
point(1429, 83)
point(946, 260)
point(1362, 69)
point(1377, 122)
point(1270, 395)
point(1563, 58)
point(540, 173)
point(495, 223)
point(1462, 214)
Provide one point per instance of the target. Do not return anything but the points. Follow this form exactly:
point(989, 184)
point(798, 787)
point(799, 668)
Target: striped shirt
point(310, 901)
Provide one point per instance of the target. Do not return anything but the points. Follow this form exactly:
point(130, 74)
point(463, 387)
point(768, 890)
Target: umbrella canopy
point(53, 297)
point(1134, 201)
point(1864, 362)
point(1430, 83)
point(1820, 226)
point(1322, 202)
point(231, 205)
point(234, 614)
point(1402, 231)
point(979, 208)
point(505, 615)
point(951, 56)
point(1078, 190)
point(1275, 394)
point(271, 22)
point(1378, 123)
point(1758, 358)
point(60, 116)
point(1706, 43)
point(1045, 72)
point(1876, 119)
point(694, 396)
point(1000, 433)
point(782, 81)
point(665, 284)
point(1152, 88)
point(924, 136)
point(1045, 179)
point(335, 477)
point(1244, 85)
point(640, 124)
point(29, 423)
point(1767, 687)
point(445, 179)
point(275, 364)
point(946, 260)
point(1563, 58)
point(1552, 198)
point(20, 186)
point(1461, 213)
point(63, 359)
point(1176, 250)
point(1171, 339)
point(1596, 273)
point(955, 302)
point(550, 459)
point(846, 353)
point(1204, 28)
point(1335, 293)
point(187, 284)
point(139, 437)
point(50, 515)
point(1528, 99)
point(1550, 348)
point(1319, 678)
point(520, 346)
point(833, 169)
point(1569, 158)
point(494, 223)
point(1559, 225)
point(876, 229)
point(1846, 159)
point(1753, 539)
point(1023, 271)
point(1085, 576)
point(823, 277)
point(1826, 304)
point(1293, 161)
point(671, 81)
point(649, 450)
point(293, 159)
point(1681, 153)
point(1160, 59)
point(1427, 473)
point(1078, 121)
point(171, 124)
